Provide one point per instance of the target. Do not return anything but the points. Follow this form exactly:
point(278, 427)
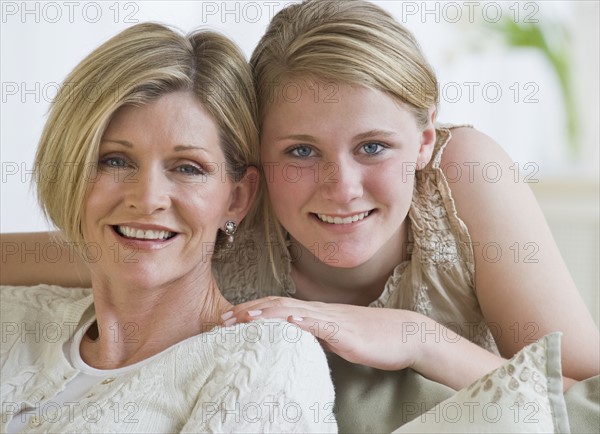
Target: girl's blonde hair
point(352, 42)
point(136, 66)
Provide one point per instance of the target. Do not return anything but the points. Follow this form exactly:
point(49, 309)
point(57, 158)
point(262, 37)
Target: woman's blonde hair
point(344, 42)
point(136, 66)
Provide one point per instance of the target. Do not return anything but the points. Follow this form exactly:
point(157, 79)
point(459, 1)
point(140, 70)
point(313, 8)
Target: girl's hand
point(369, 336)
point(390, 339)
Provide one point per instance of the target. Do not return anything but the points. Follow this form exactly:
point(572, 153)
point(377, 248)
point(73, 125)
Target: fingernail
point(231, 321)
point(227, 315)
point(254, 312)
point(297, 318)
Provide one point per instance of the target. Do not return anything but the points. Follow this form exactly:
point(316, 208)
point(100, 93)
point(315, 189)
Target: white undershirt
point(77, 388)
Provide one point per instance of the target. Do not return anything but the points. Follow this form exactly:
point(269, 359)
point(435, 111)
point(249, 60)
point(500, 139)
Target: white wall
point(42, 41)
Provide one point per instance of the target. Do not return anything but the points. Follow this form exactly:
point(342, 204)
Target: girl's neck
point(361, 285)
point(135, 326)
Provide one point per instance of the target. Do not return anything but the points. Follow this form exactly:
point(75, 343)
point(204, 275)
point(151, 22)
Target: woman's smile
point(142, 237)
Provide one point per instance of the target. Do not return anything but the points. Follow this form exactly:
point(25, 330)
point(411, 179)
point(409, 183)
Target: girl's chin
point(341, 260)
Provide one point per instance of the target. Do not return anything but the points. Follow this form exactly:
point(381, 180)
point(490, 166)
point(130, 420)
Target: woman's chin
point(136, 277)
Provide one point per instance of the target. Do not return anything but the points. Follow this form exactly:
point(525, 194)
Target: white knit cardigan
point(265, 376)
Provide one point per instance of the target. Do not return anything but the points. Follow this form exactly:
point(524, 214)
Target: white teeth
point(144, 235)
point(343, 221)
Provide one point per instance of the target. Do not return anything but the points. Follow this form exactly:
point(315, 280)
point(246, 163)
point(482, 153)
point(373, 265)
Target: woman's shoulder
point(268, 345)
point(35, 312)
point(273, 338)
point(272, 349)
point(42, 296)
point(270, 365)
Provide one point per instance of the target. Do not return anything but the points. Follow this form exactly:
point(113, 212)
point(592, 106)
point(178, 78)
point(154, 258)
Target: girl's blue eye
point(302, 151)
point(189, 169)
point(372, 148)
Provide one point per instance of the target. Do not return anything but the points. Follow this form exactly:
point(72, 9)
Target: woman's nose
point(147, 191)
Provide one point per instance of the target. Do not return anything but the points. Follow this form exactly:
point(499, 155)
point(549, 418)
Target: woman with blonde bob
point(369, 246)
point(148, 163)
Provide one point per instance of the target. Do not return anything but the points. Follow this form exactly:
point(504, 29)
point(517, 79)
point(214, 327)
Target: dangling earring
point(230, 228)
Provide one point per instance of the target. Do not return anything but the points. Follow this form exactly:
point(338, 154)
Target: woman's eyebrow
point(177, 148)
point(180, 148)
point(120, 142)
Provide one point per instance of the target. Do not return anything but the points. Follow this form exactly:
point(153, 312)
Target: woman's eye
point(189, 169)
point(372, 148)
point(302, 151)
point(114, 162)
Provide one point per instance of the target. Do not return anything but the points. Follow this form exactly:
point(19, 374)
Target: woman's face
point(160, 193)
point(339, 164)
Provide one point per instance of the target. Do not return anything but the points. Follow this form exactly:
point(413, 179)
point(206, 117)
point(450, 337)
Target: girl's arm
point(524, 296)
point(383, 338)
point(41, 257)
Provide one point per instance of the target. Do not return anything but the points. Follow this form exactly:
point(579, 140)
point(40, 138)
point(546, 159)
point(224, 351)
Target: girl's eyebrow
point(358, 137)
point(371, 133)
point(299, 137)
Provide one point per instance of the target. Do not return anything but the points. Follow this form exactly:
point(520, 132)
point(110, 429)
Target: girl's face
point(339, 162)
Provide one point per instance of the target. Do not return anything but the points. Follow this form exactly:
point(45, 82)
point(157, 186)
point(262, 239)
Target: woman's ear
point(428, 137)
point(243, 194)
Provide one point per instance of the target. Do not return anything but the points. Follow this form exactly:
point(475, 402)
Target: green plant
point(556, 50)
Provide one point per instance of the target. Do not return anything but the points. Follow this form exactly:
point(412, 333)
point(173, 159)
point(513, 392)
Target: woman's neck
point(132, 325)
point(361, 285)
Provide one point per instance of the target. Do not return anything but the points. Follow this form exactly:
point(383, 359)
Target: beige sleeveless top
point(437, 281)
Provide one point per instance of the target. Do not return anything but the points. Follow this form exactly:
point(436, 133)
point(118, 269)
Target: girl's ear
point(428, 137)
point(242, 195)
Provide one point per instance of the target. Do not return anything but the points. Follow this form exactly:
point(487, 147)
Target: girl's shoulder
point(465, 145)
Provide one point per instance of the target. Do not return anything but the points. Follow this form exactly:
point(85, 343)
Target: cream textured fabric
point(265, 376)
point(522, 396)
point(437, 281)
